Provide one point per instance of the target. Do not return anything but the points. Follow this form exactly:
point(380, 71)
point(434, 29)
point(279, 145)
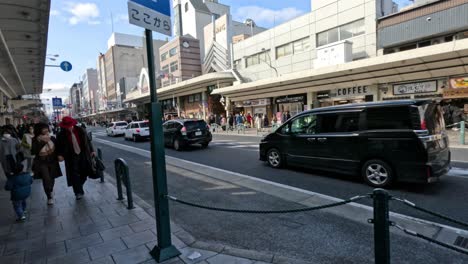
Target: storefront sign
point(456, 93)
point(254, 103)
point(415, 88)
point(323, 95)
point(351, 91)
point(457, 83)
point(291, 99)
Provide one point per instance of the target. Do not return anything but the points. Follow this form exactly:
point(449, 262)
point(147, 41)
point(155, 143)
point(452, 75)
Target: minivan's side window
point(306, 124)
point(339, 122)
point(389, 118)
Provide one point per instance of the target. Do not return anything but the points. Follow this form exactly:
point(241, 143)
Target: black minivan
point(384, 142)
point(184, 132)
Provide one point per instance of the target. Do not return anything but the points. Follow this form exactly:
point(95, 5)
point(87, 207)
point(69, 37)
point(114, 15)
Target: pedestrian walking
point(223, 122)
point(9, 151)
point(258, 122)
point(19, 184)
point(75, 148)
point(46, 166)
point(266, 122)
point(26, 147)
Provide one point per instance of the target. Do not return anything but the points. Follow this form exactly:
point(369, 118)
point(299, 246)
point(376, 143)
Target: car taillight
point(184, 131)
point(138, 130)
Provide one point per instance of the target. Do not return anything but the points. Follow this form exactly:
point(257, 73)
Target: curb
point(189, 241)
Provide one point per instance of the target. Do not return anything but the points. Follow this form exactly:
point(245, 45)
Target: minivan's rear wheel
point(274, 158)
point(176, 144)
point(377, 173)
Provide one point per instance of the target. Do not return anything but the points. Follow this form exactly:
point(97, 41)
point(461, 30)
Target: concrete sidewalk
point(98, 229)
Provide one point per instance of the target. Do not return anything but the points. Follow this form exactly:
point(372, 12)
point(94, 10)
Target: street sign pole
point(164, 249)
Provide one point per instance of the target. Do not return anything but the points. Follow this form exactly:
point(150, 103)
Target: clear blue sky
point(79, 30)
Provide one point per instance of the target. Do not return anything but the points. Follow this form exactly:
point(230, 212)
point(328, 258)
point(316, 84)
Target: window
point(186, 7)
point(408, 47)
point(389, 118)
point(257, 58)
point(144, 125)
point(339, 122)
point(190, 99)
point(174, 66)
point(165, 69)
point(164, 56)
point(173, 52)
point(301, 45)
point(284, 50)
point(424, 44)
point(343, 32)
point(305, 124)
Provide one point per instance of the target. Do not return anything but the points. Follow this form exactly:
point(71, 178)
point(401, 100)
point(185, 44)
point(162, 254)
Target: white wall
point(326, 14)
point(124, 40)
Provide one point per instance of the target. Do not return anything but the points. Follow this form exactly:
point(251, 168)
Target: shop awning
point(448, 59)
point(188, 87)
point(23, 41)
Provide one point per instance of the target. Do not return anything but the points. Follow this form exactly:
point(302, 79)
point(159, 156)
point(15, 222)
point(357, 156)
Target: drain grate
point(461, 242)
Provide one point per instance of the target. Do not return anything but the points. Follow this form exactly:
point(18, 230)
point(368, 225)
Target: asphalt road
point(318, 237)
point(240, 154)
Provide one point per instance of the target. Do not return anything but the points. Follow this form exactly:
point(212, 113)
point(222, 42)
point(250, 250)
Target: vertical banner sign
point(155, 15)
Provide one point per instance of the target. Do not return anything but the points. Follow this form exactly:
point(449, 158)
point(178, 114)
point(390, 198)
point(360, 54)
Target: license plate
point(198, 133)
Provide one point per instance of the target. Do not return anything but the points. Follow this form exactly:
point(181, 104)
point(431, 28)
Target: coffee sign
point(352, 91)
point(415, 88)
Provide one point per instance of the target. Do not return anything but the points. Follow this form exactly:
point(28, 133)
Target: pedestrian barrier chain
point(244, 211)
point(381, 220)
point(441, 216)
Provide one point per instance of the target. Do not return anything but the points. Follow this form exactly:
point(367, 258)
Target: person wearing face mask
point(46, 166)
point(75, 148)
point(26, 145)
point(9, 147)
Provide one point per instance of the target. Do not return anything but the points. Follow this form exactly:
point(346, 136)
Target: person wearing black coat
point(45, 165)
point(75, 148)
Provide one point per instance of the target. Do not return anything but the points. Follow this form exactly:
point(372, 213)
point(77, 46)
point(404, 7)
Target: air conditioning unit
point(333, 54)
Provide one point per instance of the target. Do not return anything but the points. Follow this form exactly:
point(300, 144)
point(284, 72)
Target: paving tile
point(106, 249)
point(138, 239)
point(143, 225)
point(4, 230)
point(55, 237)
point(77, 257)
point(123, 220)
point(21, 245)
point(116, 232)
point(205, 254)
point(83, 242)
point(133, 255)
point(106, 260)
point(94, 228)
point(13, 259)
point(50, 251)
point(225, 259)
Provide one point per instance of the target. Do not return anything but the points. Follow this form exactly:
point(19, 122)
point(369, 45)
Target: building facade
point(76, 100)
point(353, 51)
point(90, 88)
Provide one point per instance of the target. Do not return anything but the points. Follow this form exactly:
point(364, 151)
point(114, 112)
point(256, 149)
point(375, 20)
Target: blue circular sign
point(66, 66)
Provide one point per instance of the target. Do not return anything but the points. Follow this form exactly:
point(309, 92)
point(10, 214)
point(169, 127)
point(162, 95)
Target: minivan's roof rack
point(372, 104)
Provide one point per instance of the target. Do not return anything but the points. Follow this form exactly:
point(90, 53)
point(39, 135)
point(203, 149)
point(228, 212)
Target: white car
point(137, 130)
point(116, 128)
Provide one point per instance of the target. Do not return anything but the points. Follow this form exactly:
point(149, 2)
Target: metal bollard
point(121, 171)
point(462, 132)
point(99, 154)
point(381, 223)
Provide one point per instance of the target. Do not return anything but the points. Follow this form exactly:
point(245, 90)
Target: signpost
point(155, 15)
point(66, 66)
point(57, 105)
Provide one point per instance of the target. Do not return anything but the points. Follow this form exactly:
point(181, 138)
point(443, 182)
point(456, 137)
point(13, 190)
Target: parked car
point(384, 142)
point(116, 128)
point(137, 130)
point(181, 133)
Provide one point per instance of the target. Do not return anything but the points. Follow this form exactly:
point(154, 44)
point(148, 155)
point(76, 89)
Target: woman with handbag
point(46, 166)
